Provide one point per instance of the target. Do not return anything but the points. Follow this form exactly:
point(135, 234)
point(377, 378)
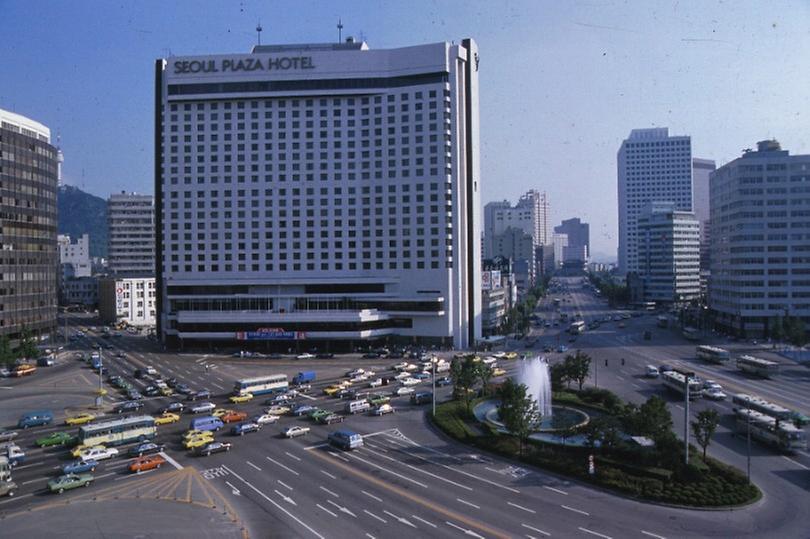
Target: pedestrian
point(622, 362)
point(206, 367)
point(606, 363)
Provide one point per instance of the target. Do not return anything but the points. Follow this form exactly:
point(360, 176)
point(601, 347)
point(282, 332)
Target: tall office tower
point(701, 171)
point(652, 167)
point(760, 240)
point(320, 194)
point(579, 242)
point(28, 260)
point(668, 253)
point(131, 219)
point(530, 214)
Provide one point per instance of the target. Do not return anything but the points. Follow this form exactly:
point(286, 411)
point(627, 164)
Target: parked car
point(8, 435)
point(305, 356)
point(295, 431)
point(69, 481)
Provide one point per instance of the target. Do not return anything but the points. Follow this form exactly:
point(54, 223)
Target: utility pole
point(433, 378)
point(748, 425)
point(100, 399)
point(686, 377)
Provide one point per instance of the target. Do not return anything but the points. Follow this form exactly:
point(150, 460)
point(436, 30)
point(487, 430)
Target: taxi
point(167, 418)
point(238, 399)
point(233, 416)
point(331, 390)
point(498, 371)
point(79, 449)
point(198, 441)
point(510, 355)
point(219, 412)
point(150, 462)
point(79, 419)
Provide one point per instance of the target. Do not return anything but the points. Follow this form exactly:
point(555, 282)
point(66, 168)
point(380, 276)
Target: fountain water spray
point(535, 374)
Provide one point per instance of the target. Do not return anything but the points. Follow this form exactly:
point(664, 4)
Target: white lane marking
point(342, 508)
point(636, 386)
point(26, 466)
point(465, 502)
point(15, 497)
point(370, 536)
point(521, 507)
point(538, 530)
point(292, 456)
point(401, 519)
point(653, 535)
point(796, 463)
point(329, 491)
point(369, 513)
point(316, 446)
point(580, 511)
point(216, 385)
point(374, 446)
point(338, 456)
point(285, 498)
point(307, 397)
point(234, 490)
point(372, 496)
point(466, 531)
point(252, 465)
point(170, 460)
point(263, 495)
point(6, 387)
point(390, 471)
point(465, 487)
point(34, 480)
point(327, 474)
point(558, 491)
point(603, 536)
point(281, 465)
point(283, 484)
point(424, 521)
point(325, 509)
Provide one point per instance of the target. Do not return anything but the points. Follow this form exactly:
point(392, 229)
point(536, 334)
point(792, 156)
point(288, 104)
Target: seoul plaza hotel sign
point(235, 65)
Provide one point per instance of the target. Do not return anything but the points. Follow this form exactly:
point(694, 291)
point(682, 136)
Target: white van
point(358, 406)
point(652, 371)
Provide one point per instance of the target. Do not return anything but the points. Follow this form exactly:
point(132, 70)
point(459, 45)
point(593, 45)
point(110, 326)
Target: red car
point(150, 462)
point(232, 417)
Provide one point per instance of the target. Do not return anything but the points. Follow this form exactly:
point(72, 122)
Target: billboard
point(275, 334)
point(491, 280)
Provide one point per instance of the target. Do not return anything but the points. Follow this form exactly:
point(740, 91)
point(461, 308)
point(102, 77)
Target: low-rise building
point(80, 291)
point(128, 300)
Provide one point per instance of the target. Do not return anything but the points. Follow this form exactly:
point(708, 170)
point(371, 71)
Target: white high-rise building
point(652, 167)
point(131, 219)
point(760, 240)
point(74, 257)
point(668, 253)
point(530, 214)
point(318, 193)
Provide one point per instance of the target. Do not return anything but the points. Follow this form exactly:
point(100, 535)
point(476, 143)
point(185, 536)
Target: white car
point(277, 410)
point(404, 390)
point(98, 453)
point(714, 394)
point(409, 382)
point(375, 383)
point(264, 419)
point(403, 375)
point(202, 407)
point(383, 409)
point(355, 372)
point(711, 384)
point(295, 430)
point(400, 366)
point(150, 370)
point(305, 356)
point(411, 367)
point(359, 378)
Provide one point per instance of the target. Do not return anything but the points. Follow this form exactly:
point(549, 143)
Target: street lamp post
point(433, 379)
point(686, 377)
point(100, 398)
point(748, 436)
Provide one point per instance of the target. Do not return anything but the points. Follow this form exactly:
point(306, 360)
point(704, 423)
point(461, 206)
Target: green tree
point(484, 375)
point(795, 330)
point(577, 367)
point(653, 419)
point(28, 345)
point(518, 411)
point(704, 427)
point(559, 376)
point(7, 356)
point(465, 376)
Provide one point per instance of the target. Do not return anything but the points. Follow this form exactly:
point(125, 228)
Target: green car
point(57, 438)
point(316, 415)
point(377, 400)
point(69, 481)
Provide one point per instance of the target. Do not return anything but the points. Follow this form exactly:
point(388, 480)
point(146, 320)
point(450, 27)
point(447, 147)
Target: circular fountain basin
point(549, 429)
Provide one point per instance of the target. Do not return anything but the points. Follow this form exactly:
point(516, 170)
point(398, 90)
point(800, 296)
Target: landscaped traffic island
point(623, 447)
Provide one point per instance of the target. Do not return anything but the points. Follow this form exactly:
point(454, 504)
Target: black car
point(350, 394)
point(146, 448)
point(183, 389)
point(324, 355)
point(172, 382)
point(152, 391)
point(371, 355)
point(175, 407)
point(129, 406)
point(444, 381)
point(214, 447)
point(200, 395)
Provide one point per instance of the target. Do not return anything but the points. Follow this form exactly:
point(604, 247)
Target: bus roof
point(712, 348)
point(757, 361)
point(742, 398)
point(256, 379)
point(114, 422)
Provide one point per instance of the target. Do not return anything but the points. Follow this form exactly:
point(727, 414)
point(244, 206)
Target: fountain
point(534, 373)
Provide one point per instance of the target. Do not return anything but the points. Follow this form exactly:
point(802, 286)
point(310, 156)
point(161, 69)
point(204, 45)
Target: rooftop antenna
point(340, 31)
point(259, 32)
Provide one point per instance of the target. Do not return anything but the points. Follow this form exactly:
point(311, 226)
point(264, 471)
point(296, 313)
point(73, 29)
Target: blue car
point(302, 409)
point(420, 376)
point(242, 428)
point(80, 466)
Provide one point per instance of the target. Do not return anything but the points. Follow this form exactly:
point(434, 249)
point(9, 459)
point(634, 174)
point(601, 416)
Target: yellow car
point(510, 355)
point(331, 390)
point(79, 449)
point(197, 441)
point(219, 412)
point(498, 372)
point(195, 433)
point(236, 399)
point(166, 418)
point(166, 391)
point(80, 419)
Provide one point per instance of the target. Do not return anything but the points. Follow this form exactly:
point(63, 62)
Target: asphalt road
point(408, 480)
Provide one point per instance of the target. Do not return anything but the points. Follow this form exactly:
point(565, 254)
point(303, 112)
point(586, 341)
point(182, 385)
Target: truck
point(303, 377)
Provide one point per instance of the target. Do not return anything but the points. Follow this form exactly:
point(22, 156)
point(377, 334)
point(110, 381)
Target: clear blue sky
point(562, 83)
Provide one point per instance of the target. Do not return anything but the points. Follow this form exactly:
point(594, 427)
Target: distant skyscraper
point(579, 243)
point(530, 214)
point(760, 240)
point(131, 219)
point(28, 259)
point(652, 167)
point(319, 195)
point(701, 171)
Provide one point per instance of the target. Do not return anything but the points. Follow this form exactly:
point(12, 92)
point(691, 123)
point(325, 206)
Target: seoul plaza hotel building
point(318, 196)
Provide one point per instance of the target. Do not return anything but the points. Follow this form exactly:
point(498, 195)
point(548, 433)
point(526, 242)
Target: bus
point(118, 431)
point(760, 367)
point(781, 434)
point(762, 406)
point(675, 382)
point(663, 322)
point(712, 354)
point(576, 327)
point(691, 334)
point(273, 383)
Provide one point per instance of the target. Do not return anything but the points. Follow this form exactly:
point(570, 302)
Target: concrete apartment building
point(131, 219)
point(319, 195)
point(127, 300)
point(652, 167)
point(760, 240)
point(74, 257)
point(28, 260)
